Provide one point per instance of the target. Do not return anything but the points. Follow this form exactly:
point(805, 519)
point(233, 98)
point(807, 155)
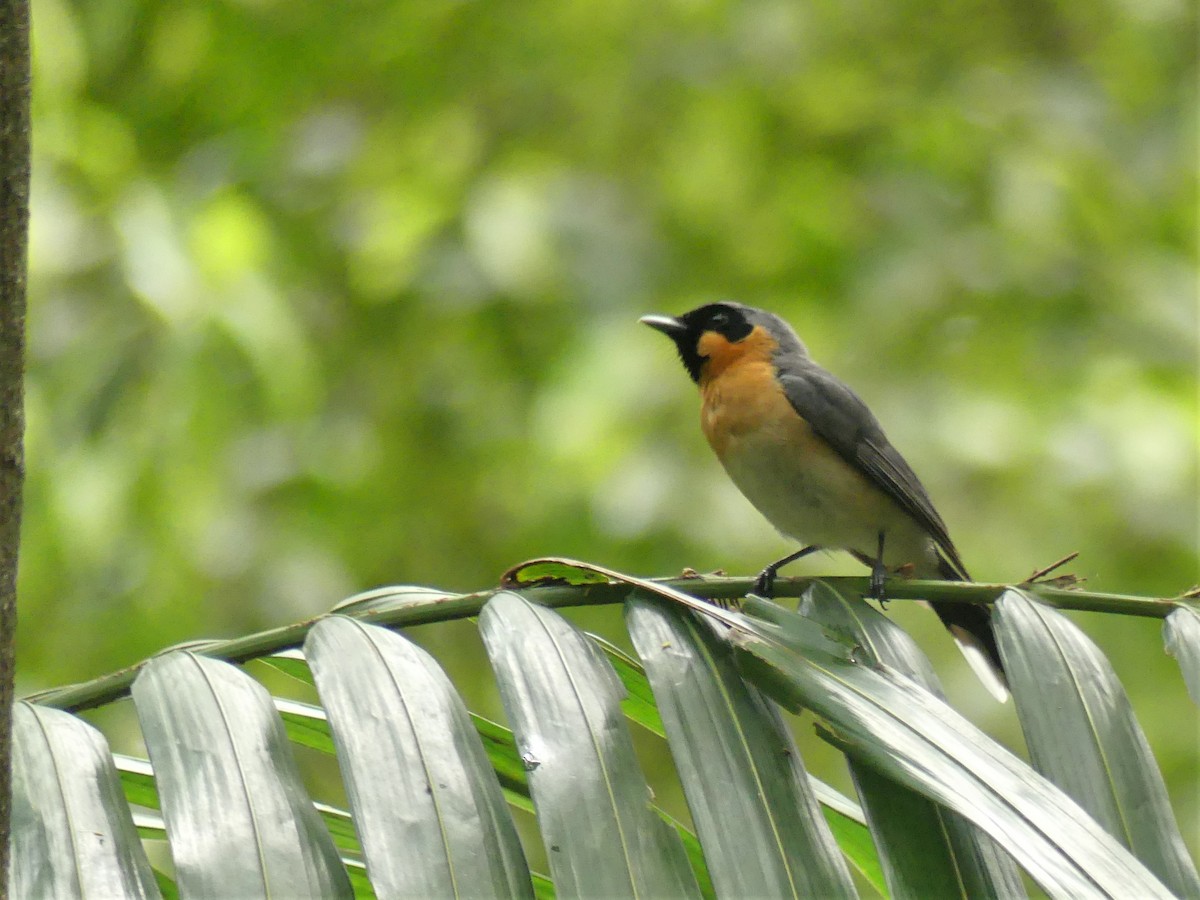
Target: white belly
point(817, 498)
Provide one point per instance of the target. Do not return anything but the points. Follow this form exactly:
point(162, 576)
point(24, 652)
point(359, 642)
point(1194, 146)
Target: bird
point(810, 456)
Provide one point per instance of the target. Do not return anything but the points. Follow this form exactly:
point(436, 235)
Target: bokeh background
point(328, 296)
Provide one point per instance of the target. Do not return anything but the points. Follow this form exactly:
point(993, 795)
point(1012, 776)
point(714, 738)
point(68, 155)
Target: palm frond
point(431, 787)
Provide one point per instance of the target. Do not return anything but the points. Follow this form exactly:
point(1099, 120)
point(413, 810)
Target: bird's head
point(720, 333)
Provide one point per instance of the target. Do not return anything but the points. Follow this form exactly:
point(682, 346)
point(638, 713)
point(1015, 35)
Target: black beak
point(672, 328)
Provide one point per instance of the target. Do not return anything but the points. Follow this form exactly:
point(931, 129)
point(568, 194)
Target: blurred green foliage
point(329, 296)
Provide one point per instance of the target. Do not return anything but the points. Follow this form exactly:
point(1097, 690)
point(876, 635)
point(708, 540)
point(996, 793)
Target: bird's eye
point(720, 319)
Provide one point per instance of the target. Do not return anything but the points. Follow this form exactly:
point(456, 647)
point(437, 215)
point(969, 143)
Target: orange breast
point(743, 400)
point(738, 389)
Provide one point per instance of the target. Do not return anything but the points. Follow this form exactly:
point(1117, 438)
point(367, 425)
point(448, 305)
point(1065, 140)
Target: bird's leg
point(765, 585)
point(879, 574)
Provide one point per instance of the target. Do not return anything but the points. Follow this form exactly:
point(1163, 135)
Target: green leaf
point(166, 885)
point(305, 724)
point(592, 802)
point(639, 705)
point(873, 635)
point(137, 780)
point(72, 832)
point(543, 887)
point(1181, 634)
point(927, 850)
point(341, 829)
point(150, 825)
point(405, 742)
point(761, 829)
point(501, 749)
point(1082, 735)
point(391, 598)
point(799, 632)
point(220, 755)
point(361, 884)
point(550, 572)
point(844, 817)
point(290, 662)
point(910, 736)
point(498, 741)
point(855, 841)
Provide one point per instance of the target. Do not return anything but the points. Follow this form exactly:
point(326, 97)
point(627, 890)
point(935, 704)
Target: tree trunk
point(14, 228)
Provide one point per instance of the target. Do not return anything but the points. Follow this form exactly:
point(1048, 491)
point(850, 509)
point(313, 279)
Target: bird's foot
point(879, 574)
point(764, 585)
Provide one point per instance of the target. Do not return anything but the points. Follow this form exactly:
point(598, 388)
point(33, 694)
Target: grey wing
point(840, 417)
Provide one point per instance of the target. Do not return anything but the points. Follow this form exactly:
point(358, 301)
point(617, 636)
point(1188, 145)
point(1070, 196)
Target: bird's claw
point(879, 574)
point(764, 585)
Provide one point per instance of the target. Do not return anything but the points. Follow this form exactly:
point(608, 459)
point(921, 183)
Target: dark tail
point(971, 626)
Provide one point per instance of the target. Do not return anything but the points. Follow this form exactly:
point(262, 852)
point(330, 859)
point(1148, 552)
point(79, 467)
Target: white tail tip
point(977, 659)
